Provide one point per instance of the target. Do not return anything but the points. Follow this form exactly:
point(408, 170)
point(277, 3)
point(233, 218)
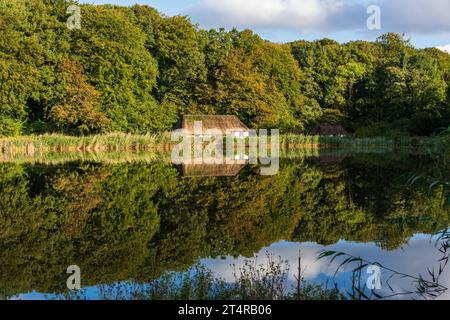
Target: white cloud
point(414, 258)
point(410, 16)
point(417, 15)
point(266, 13)
point(445, 48)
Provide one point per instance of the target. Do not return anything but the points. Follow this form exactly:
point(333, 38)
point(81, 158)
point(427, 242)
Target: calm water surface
point(136, 221)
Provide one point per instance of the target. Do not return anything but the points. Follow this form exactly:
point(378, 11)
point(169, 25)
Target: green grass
point(289, 141)
point(50, 147)
point(106, 157)
point(106, 142)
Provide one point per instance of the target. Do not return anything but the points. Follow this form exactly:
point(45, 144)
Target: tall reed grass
point(106, 142)
point(253, 281)
point(52, 146)
point(108, 157)
point(295, 140)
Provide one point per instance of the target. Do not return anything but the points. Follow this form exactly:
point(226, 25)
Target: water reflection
point(211, 170)
point(415, 259)
point(136, 221)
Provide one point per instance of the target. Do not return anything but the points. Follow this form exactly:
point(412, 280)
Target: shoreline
point(122, 147)
point(162, 142)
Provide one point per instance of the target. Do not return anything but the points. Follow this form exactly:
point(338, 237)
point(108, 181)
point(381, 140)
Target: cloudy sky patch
point(426, 22)
point(307, 14)
point(418, 16)
point(445, 48)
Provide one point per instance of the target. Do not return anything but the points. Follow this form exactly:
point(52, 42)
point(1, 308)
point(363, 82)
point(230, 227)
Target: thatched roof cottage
point(211, 170)
point(223, 124)
point(325, 129)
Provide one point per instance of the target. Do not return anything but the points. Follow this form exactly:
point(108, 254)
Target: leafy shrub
point(10, 127)
point(382, 129)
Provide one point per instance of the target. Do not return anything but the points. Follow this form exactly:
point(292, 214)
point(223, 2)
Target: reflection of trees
point(224, 216)
point(112, 244)
point(82, 195)
point(370, 201)
point(120, 222)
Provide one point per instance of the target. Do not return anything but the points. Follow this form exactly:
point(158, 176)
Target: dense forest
point(133, 69)
point(136, 221)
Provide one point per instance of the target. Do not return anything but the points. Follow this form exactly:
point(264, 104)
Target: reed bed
point(121, 146)
point(118, 157)
point(290, 141)
point(109, 157)
point(299, 153)
point(98, 143)
point(294, 140)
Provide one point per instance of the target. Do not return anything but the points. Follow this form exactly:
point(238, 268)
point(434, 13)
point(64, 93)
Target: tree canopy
point(140, 71)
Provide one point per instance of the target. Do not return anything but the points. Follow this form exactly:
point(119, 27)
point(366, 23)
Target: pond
point(122, 221)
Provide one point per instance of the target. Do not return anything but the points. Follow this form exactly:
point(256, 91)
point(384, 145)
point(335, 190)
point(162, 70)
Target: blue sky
point(425, 22)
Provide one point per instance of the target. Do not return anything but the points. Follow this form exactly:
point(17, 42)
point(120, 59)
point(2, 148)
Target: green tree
point(79, 111)
point(112, 50)
point(175, 43)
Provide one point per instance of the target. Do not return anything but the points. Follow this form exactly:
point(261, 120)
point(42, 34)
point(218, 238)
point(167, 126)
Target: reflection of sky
point(414, 259)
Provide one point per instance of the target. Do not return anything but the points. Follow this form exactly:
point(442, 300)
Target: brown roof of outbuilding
point(211, 170)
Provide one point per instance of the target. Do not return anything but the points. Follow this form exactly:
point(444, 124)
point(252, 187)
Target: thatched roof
point(196, 167)
point(211, 170)
point(223, 124)
point(325, 129)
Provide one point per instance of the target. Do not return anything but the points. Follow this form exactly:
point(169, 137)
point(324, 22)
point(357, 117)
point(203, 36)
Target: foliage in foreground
point(428, 285)
point(252, 281)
